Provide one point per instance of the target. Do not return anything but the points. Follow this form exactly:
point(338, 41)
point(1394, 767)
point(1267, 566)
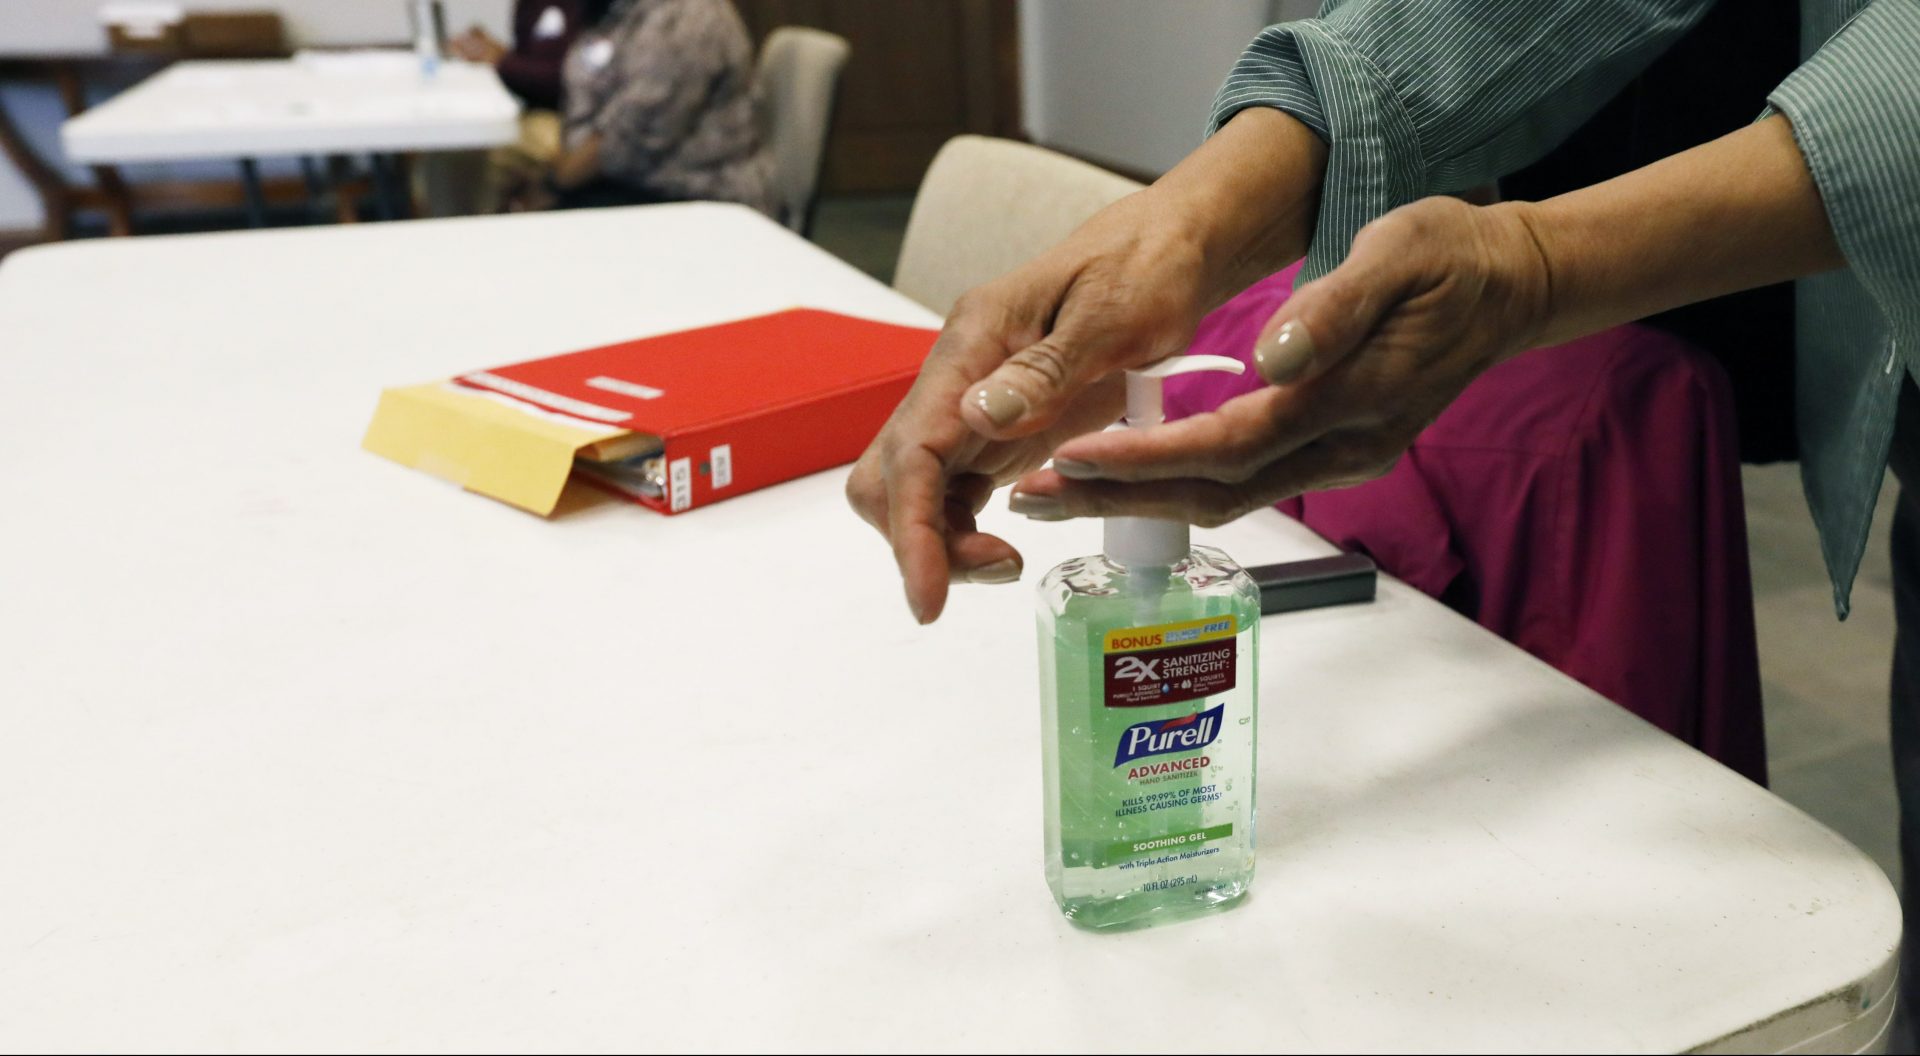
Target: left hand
point(476, 45)
point(1361, 361)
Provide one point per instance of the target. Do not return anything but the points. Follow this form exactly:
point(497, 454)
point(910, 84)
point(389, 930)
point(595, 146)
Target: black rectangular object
point(1294, 585)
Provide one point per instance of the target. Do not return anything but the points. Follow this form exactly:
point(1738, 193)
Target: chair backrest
point(796, 81)
point(988, 205)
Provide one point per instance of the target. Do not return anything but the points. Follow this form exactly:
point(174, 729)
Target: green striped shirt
point(1424, 97)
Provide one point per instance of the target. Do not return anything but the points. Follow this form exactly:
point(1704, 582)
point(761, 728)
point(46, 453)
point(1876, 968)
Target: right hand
point(1024, 363)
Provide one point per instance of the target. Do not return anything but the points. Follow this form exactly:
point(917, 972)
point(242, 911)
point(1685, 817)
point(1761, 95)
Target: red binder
point(736, 406)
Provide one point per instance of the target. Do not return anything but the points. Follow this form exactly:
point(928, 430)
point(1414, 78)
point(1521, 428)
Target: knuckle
point(1232, 469)
point(1240, 461)
point(862, 489)
point(973, 302)
point(1411, 222)
point(1428, 213)
point(1224, 452)
point(1090, 502)
point(1045, 362)
point(1391, 227)
point(1371, 459)
point(1210, 517)
point(1225, 504)
point(1379, 467)
point(968, 308)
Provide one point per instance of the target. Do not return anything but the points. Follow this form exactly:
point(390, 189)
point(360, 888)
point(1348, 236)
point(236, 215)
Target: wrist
point(1532, 261)
point(1734, 213)
point(1247, 199)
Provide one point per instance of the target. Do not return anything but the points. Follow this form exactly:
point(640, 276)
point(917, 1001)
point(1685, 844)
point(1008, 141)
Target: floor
point(1825, 681)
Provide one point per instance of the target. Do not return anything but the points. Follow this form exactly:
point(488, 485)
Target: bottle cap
point(1134, 541)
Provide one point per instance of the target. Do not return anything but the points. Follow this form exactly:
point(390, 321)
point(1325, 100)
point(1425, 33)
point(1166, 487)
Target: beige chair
point(988, 205)
point(796, 82)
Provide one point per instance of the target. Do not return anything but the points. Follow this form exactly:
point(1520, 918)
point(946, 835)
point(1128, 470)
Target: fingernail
point(920, 615)
point(1001, 405)
point(1286, 355)
point(1005, 570)
point(1038, 507)
point(1074, 468)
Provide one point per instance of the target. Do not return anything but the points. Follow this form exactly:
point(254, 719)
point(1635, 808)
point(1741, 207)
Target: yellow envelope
point(517, 454)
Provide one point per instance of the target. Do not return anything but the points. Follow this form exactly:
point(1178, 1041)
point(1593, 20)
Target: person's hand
point(476, 45)
point(1029, 360)
point(1359, 363)
point(1024, 363)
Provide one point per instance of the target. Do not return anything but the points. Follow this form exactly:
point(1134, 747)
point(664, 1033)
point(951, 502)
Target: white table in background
point(302, 749)
point(376, 103)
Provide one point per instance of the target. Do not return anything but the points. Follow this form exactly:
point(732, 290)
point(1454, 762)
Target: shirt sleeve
point(534, 68)
point(1423, 97)
point(533, 75)
point(667, 67)
point(1855, 108)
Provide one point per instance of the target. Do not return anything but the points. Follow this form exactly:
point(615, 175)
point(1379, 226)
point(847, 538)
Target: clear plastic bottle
point(429, 21)
point(1148, 671)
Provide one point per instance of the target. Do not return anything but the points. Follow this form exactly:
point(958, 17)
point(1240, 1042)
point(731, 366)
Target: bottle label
point(1169, 663)
point(1186, 733)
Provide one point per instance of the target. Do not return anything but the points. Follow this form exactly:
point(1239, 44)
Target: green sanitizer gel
point(1147, 679)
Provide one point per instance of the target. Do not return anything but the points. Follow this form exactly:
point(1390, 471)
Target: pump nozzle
point(1149, 540)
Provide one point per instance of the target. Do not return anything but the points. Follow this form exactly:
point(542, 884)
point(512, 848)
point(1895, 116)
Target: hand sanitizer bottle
point(1147, 678)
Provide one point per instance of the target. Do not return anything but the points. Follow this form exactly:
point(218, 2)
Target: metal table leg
point(256, 198)
point(383, 187)
point(316, 189)
point(341, 181)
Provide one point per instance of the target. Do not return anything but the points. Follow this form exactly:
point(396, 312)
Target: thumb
point(1032, 388)
point(1326, 319)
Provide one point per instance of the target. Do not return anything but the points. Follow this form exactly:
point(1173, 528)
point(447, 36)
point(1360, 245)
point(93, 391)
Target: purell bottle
point(1147, 678)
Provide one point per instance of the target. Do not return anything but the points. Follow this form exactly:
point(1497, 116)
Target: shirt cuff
point(1306, 69)
point(1855, 109)
point(1270, 73)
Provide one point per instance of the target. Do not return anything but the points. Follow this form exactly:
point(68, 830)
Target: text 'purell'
point(1163, 736)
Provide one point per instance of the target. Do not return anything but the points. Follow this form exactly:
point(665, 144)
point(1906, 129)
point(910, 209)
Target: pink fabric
point(1582, 501)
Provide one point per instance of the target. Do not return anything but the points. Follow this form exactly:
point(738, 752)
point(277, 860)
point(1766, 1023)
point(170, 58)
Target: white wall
point(68, 27)
point(1129, 82)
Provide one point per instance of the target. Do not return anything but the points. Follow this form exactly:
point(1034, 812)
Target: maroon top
point(531, 68)
point(1582, 501)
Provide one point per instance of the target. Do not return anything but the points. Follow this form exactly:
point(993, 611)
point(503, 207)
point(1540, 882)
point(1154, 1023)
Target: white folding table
point(315, 104)
point(300, 749)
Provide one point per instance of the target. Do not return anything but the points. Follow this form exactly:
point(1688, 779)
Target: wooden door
point(921, 72)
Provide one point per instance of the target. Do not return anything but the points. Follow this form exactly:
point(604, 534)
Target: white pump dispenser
point(1150, 541)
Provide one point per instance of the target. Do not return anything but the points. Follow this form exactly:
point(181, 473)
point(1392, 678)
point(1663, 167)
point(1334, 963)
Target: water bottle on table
point(429, 21)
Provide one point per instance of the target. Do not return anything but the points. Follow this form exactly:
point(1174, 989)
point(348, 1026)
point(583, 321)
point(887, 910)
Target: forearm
point(1419, 99)
point(1249, 195)
point(1735, 213)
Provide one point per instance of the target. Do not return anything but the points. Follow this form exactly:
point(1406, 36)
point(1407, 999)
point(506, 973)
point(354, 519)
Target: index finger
point(916, 483)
